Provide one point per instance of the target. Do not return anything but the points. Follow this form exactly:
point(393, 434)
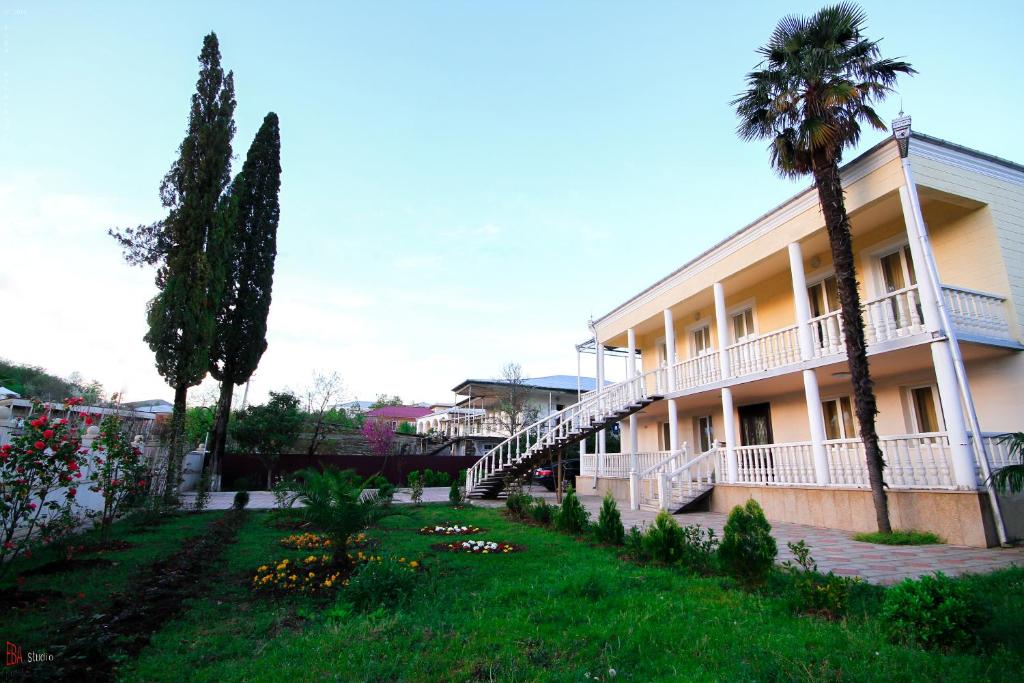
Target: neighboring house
point(478, 410)
point(8, 393)
point(15, 411)
point(157, 406)
point(354, 408)
point(741, 388)
point(396, 416)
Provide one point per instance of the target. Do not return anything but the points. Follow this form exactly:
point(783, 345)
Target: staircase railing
point(593, 407)
point(690, 479)
point(643, 485)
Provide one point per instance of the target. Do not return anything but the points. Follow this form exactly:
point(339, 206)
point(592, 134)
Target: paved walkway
point(832, 549)
point(836, 550)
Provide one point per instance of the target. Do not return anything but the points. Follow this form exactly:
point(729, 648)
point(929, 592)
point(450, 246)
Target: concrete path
point(832, 549)
point(835, 550)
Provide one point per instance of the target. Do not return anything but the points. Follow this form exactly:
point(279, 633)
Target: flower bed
point(450, 530)
point(310, 541)
point(478, 547)
point(313, 574)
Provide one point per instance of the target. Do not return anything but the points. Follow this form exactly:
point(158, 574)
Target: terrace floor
point(833, 549)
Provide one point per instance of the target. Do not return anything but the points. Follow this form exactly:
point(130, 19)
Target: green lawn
point(36, 628)
point(559, 611)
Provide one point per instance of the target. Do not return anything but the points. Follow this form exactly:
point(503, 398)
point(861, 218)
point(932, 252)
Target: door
point(897, 272)
point(755, 424)
point(705, 433)
point(824, 299)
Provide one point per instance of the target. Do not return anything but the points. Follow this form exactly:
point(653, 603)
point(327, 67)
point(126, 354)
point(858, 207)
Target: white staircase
point(666, 486)
point(532, 445)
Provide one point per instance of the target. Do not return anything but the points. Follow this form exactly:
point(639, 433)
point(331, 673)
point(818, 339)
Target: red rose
point(73, 466)
point(48, 434)
point(31, 506)
point(88, 420)
point(72, 492)
point(8, 545)
point(39, 445)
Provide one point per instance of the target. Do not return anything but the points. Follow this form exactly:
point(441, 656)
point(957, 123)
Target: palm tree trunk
point(830, 194)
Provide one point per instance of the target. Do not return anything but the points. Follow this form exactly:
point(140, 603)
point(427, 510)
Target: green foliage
point(932, 612)
point(663, 540)
point(286, 492)
point(241, 499)
point(266, 431)
point(336, 503)
point(455, 493)
point(198, 423)
point(572, 517)
point(384, 401)
point(541, 512)
point(825, 595)
point(609, 523)
point(406, 428)
point(634, 542)
point(899, 537)
point(1010, 478)
point(382, 584)
point(748, 549)
point(700, 549)
point(416, 487)
point(32, 381)
point(203, 491)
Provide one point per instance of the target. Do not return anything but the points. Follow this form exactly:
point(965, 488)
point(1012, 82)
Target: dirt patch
point(94, 643)
point(25, 599)
point(68, 565)
point(114, 546)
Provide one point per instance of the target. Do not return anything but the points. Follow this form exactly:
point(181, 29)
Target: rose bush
point(39, 470)
point(117, 472)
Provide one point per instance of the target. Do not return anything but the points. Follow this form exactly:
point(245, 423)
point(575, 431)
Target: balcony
point(889, 320)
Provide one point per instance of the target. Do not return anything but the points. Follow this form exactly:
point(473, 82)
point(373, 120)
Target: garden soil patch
point(67, 565)
point(93, 644)
point(105, 546)
point(22, 599)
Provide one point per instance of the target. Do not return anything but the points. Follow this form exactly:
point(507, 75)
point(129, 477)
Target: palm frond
point(1010, 478)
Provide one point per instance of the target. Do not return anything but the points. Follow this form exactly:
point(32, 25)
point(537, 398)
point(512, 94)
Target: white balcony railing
point(975, 312)
point(764, 352)
point(894, 315)
point(778, 463)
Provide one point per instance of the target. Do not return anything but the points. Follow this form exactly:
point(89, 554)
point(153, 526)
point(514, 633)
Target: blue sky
point(464, 183)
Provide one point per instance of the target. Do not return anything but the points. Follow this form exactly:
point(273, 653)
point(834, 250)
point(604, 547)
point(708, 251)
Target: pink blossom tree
point(380, 436)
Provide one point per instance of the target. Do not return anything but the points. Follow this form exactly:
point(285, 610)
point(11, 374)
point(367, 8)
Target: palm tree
point(817, 82)
point(1010, 478)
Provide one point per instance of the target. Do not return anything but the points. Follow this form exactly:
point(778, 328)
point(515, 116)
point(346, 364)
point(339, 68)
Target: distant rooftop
point(549, 383)
point(400, 412)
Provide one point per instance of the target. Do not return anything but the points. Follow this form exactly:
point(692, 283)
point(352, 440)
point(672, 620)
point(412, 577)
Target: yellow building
point(739, 385)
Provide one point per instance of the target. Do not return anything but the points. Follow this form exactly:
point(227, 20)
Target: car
point(546, 475)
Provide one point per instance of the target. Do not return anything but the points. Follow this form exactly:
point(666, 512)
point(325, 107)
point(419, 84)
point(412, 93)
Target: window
point(705, 433)
point(924, 410)
point(743, 324)
point(701, 341)
point(839, 422)
point(897, 269)
point(662, 353)
point(824, 296)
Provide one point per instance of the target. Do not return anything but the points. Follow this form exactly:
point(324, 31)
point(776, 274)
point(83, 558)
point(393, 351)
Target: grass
point(899, 537)
point(35, 628)
point(559, 611)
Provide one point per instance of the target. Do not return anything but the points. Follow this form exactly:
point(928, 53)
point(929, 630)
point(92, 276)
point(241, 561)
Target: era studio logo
point(13, 655)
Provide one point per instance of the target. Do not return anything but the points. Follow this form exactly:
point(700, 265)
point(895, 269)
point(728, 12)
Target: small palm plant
point(338, 503)
point(1011, 477)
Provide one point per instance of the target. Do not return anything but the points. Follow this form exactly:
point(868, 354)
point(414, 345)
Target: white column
point(670, 348)
point(722, 323)
point(729, 425)
point(815, 419)
point(673, 429)
point(630, 373)
point(964, 471)
point(600, 387)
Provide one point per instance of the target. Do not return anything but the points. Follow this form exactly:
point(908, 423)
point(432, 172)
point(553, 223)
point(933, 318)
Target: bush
point(286, 492)
point(436, 479)
point(455, 493)
point(416, 487)
point(609, 523)
point(700, 549)
point(541, 512)
point(572, 517)
point(241, 499)
point(385, 583)
point(663, 541)
point(634, 543)
point(826, 595)
point(933, 612)
point(516, 502)
point(748, 549)
point(899, 537)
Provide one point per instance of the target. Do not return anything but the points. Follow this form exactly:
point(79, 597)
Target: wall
point(960, 517)
point(394, 468)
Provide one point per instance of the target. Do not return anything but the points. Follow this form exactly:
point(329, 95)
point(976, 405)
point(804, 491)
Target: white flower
point(612, 672)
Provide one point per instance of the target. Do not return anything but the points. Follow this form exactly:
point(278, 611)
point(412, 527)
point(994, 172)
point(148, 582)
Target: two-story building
point(743, 348)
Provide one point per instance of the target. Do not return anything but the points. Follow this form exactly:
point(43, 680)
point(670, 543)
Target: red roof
point(400, 412)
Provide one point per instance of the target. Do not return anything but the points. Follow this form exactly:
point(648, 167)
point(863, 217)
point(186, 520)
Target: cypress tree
point(181, 316)
point(250, 213)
